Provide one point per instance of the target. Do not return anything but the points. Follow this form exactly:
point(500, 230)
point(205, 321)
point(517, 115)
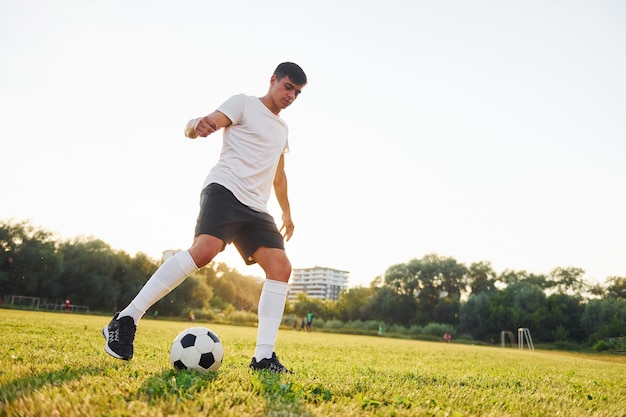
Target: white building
point(317, 282)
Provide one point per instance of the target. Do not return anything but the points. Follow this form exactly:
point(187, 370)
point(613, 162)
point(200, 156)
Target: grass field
point(53, 364)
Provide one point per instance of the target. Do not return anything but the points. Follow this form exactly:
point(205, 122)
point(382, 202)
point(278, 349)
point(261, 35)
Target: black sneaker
point(272, 364)
point(120, 334)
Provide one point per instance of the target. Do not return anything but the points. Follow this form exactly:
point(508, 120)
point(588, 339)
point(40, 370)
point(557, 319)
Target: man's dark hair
point(291, 70)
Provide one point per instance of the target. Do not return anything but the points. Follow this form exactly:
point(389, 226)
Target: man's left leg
point(271, 306)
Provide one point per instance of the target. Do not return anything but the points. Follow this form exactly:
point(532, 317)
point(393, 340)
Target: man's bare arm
point(280, 189)
point(204, 126)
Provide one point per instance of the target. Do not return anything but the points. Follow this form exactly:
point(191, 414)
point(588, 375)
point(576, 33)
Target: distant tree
point(597, 291)
point(602, 318)
point(350, 303)
point(391, 307)
point(402, 280)
point(443, 273)
point(617, 287)
point(377, 282)
point(510, 277)
point(520, 304)
point(474, 317)
point(29, 262)
point(303, 305)
point(568, 280)
point(528, 297)
point(540, 280)
point(563, 317)
point(129, 276)
point(426, 281)
point(89, 265)
point(401, 287)
point(447, 310)
point(481, 278)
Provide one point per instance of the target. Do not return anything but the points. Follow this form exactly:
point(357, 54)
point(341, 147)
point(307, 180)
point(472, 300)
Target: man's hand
point(205, 126)
point(287, 228)
point(202, 126)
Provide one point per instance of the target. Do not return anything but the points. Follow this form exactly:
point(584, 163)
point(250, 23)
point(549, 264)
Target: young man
point(233, 210)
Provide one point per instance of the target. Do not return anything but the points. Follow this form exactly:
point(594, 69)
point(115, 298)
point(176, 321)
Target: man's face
point(284, 91)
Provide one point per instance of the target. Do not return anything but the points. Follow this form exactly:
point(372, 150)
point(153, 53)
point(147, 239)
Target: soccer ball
point(198, 349)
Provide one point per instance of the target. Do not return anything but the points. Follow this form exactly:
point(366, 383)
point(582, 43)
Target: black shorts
point(225, 217)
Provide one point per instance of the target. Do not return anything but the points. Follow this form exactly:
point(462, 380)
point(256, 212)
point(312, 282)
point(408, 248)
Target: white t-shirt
point(251, 149)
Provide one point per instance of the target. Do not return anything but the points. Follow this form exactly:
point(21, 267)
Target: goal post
point(35, 303)
point(63, 307)
point(507, 333)
point(523, 334)
point(23, 301)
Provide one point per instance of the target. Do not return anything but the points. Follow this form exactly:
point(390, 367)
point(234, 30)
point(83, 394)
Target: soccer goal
point(23, 301)
point(507, 333)
point(523, 335)
point(63, 307)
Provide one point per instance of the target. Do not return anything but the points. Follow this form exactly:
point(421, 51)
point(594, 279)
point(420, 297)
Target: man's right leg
point(271, 307)
point(169, 276)
point(120, 332)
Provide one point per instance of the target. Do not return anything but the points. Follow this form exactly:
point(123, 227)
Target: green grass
point(53, 364)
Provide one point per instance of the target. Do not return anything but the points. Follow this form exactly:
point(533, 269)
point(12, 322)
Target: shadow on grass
point(170, 383)
point(26, 385)
point(287, 397)
point(178, 384)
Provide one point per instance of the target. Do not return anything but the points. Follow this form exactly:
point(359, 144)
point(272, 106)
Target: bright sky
point(483, 130)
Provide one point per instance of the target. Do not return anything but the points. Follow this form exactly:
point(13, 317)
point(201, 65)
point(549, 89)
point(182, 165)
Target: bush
point(602, 346)
point(371, 325)
point(464, 336)
point(566, 345)
point(396, 329)
point(334, 324)
point(202, 315)
point(416, 330)
point(438, 329)
point(288, 320)
point(242, 317)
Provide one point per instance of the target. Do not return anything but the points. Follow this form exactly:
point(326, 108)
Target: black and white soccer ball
point(198, 349)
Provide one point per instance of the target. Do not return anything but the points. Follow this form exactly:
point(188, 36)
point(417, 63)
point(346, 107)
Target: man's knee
point(274, 262)
point(283, 270)
point(204, 249)
point(280, 269)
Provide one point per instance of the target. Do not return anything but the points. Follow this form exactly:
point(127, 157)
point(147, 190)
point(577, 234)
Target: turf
point(53, 364)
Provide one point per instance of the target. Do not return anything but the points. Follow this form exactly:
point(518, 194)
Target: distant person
point(309, 321)
point(67, 305)
point(233, 209)
point(192, 317)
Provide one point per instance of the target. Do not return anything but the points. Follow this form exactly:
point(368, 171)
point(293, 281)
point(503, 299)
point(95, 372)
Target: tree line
point(478, 303)
point(470, 301)
point(89, 272)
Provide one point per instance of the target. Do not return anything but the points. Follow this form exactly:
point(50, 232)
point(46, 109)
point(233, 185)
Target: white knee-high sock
point(169, 276)
point(271, 307)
